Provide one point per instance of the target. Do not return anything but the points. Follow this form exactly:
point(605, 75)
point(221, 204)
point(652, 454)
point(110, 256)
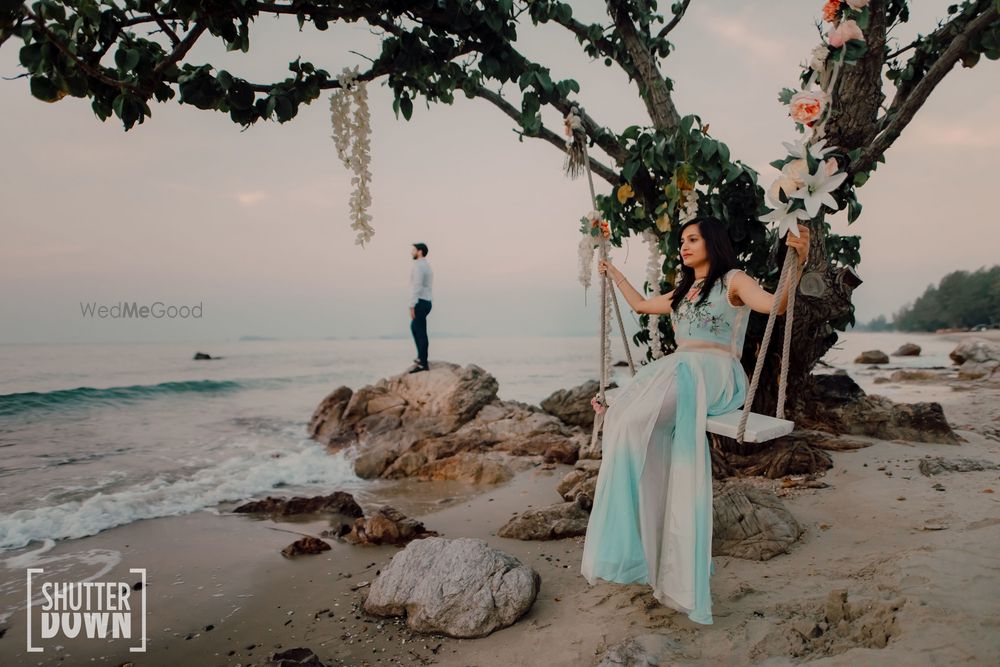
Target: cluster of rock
point(445, 424)
point(385, 525)
point(880, 357)
point(977, 359)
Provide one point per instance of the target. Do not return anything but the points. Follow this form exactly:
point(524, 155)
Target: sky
point(253, 225)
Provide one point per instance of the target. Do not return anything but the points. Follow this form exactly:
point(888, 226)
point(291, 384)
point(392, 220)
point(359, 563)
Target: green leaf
point(406, 107)
point(861, 178)
point(785, 95)
point(853, 210)
point(863, 17)
point(723, 152)
point(631, 132)
point(630, 169)
point(31, 56)
point(44, 89)
point(131, 59)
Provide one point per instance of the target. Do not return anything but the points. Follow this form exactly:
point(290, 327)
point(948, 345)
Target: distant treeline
point(962, 300)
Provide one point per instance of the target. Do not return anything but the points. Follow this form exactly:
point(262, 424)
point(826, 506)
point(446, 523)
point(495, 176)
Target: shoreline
point(918, 562)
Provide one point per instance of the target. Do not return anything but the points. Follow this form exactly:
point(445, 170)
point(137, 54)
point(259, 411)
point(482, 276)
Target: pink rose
point(831, 166)
point(857, 4)
point(598, 408)
point(806, 106)
point(845, 32)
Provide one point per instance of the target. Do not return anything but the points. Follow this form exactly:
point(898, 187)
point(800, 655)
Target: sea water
point(95, 436)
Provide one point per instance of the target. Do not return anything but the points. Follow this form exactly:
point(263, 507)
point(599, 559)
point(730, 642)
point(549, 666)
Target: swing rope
point(789, 276)
point(599, 418)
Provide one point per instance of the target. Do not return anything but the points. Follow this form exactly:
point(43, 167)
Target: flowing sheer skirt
point(652, 516)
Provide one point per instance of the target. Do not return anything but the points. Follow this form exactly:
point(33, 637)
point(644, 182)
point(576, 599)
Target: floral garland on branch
point(352, 139)
point(810, 172)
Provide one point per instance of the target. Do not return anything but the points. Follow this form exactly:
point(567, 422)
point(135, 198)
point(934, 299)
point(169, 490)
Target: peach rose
point(831, 166)
point(845, 32)
point(830, 10)
point(806, 106)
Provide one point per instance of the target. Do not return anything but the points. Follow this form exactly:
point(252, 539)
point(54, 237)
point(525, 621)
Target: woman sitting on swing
point(651, 520)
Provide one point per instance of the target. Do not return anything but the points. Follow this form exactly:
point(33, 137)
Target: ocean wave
point(234, 479)
point(12, 404)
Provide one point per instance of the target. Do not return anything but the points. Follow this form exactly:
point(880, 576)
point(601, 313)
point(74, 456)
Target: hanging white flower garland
point(352, 139)
point(653, 274)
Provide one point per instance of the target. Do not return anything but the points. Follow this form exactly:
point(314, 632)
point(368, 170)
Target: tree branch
point(548, 135)
point(674, 21)
point(652, 84)
point(90, 70)
point(901, 111)
point(182, 48)
point(604, 139)
point(174, 39)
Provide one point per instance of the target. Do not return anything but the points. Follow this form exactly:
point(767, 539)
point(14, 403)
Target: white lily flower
point(816, 189)
point(817, 149)
point(786, 220)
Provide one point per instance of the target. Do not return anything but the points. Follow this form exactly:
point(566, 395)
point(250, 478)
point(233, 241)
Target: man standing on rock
point(421, 278)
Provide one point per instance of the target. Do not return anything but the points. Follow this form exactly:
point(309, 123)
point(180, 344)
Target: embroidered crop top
point(716, 320)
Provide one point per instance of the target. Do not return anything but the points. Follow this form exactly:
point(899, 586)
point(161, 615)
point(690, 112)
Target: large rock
point(338, 502)
point(423, 404)
point(325, 424)
point(581, 481)
point(978, 359)
point(937, 464)
point(907, 350)
point(466, 467)
point(403, 425)
point(386, 525)
point(548, 523)
point(461, 588)
point(872, 357)
point(838, 404)
point(305, 546)
point(751, 523)
point(573, 405)
point(977, 350)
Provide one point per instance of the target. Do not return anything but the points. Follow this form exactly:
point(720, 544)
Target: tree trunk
point(823, 300)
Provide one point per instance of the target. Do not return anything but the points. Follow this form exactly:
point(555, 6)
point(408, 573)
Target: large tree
point(126, 53)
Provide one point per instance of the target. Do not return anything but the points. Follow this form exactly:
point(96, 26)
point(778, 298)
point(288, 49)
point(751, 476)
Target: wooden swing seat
point(760, 428)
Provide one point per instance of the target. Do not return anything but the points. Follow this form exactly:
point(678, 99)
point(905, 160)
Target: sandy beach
point(915, 555)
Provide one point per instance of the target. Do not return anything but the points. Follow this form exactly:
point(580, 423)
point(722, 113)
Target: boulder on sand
point(461, 587)
point(872, 357)
point(907, 350)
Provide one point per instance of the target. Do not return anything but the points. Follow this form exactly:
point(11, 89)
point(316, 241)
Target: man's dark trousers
point(418, 326)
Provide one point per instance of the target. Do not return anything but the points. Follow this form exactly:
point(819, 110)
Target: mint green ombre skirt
point(652, 516)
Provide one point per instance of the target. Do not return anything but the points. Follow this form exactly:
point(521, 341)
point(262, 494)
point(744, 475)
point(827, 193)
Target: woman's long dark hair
point(721, 258)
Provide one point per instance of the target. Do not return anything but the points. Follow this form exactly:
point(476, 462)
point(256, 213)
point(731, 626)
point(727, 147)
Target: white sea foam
point(302, 463)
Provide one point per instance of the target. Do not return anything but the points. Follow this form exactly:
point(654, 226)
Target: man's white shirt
point(421, 279)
